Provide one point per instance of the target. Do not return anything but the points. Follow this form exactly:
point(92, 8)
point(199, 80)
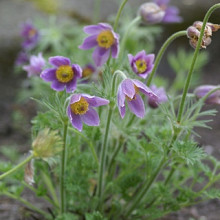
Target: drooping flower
point(30, 35)
point(171, 12)
point(63, 74)
point(214, 98)
point(105, 41)
point(129, 90)
point(88, 70)
point(159, 11)
point(161, 94)
point(36, 65)
point(141, 63)
point(81, 109)
point(21, 59)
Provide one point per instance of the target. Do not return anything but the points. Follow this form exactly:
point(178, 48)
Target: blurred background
point(15, 12)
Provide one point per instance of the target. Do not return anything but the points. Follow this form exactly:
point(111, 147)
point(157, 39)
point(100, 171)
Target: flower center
point(105, 39)
point(32, 33)
point(136, 92)
point(141, 66)
point(87, 72)
point(64, 73)
point(80, 107)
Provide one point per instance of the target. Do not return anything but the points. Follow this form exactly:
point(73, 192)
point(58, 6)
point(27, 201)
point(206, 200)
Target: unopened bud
point(151, 13)
point(47, 144)
point(29, 173)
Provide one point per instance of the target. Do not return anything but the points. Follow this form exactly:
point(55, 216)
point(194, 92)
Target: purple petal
point(137, 106)
point(49, 75)
point(71, 86)
point(95, 101)
point(77, 70)
point(128, 88)
point(115, 50)
point(122, 111)
point(145, 90)
point(91, 118)
point(75, 98)
point(100, 56)
point(162, 2)
point(74, 119)
point(58, 86)
point(120, 97)
point(140, 55)
point(171, 15)
point(89, 42)
point(93, 29)
point(59, 61)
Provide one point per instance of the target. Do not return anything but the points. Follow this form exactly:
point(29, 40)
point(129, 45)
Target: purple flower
point(63, 74)
point(151, 13)
point(129, 89)
point(214, 98)
point(36, 65)
point(141, 63)
point(88, 70)
point(105, 41)
point(80, 109)
point(30, 35)
point(161, 94)
point(171, 12)
point(21, 59)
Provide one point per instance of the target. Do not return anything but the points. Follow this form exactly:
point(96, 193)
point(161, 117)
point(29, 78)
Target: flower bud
point(151, 13)
point(29, 173)
point(47, 144)
point(201, 91)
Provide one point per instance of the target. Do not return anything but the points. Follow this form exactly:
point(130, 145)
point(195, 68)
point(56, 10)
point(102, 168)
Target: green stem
point(187, 83)
point(119, 14)
point(161, 52)
point(28, 204)
point(91, 146)
point(63, 169)
point(17, 167)
point(125, 36)
point(97, 7)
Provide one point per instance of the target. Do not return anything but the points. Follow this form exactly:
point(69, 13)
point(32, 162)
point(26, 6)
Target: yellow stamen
point(105, 39)
point(87, 72)
point(64, 73)
point(80, 107)
point(141, 66)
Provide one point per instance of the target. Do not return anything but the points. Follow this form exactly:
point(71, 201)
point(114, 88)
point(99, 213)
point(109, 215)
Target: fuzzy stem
point(17, 167)
point(187, 83)
point(161, 52)
point(119, 14)
point(63, 169)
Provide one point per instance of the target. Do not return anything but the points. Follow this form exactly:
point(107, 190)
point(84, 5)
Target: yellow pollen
point(136, 92)
point(64, 73)
point(105, 39)
point(141, 66)
point(87, 72)
point(32, 32)
point(80, 107)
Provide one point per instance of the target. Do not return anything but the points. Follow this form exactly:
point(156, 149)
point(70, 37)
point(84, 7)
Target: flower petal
point(91, 118)
point(95, 101)
point(77, 70)
point(71, 86)
point(74, 119)
point(128, 88)
point(75, 98)
point(93, 29)
point(59, 61)
point(58, 86)
point(89, 42)
point(137, 106)
point(49, 75)
point(100, 56)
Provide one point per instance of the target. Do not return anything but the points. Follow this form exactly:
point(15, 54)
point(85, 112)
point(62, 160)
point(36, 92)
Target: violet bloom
point(129, 90)
point(141, 63)
point(36, 65)
point(105, 41)
point(214, 98)
point(63, 74)
point(161, 94)
point(80, 109)
point(171, 12)
point(30, 35)
point(21, 59)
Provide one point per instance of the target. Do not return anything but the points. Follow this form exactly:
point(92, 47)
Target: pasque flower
point(129, 90)
point(88, 70)
point(159, 11)
point(214, 98)
point(81, 109)
point(63, 74)
point(30, 35)
point(36, 65)
point(161, 94)
point(105, 41)
point(141, 63)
